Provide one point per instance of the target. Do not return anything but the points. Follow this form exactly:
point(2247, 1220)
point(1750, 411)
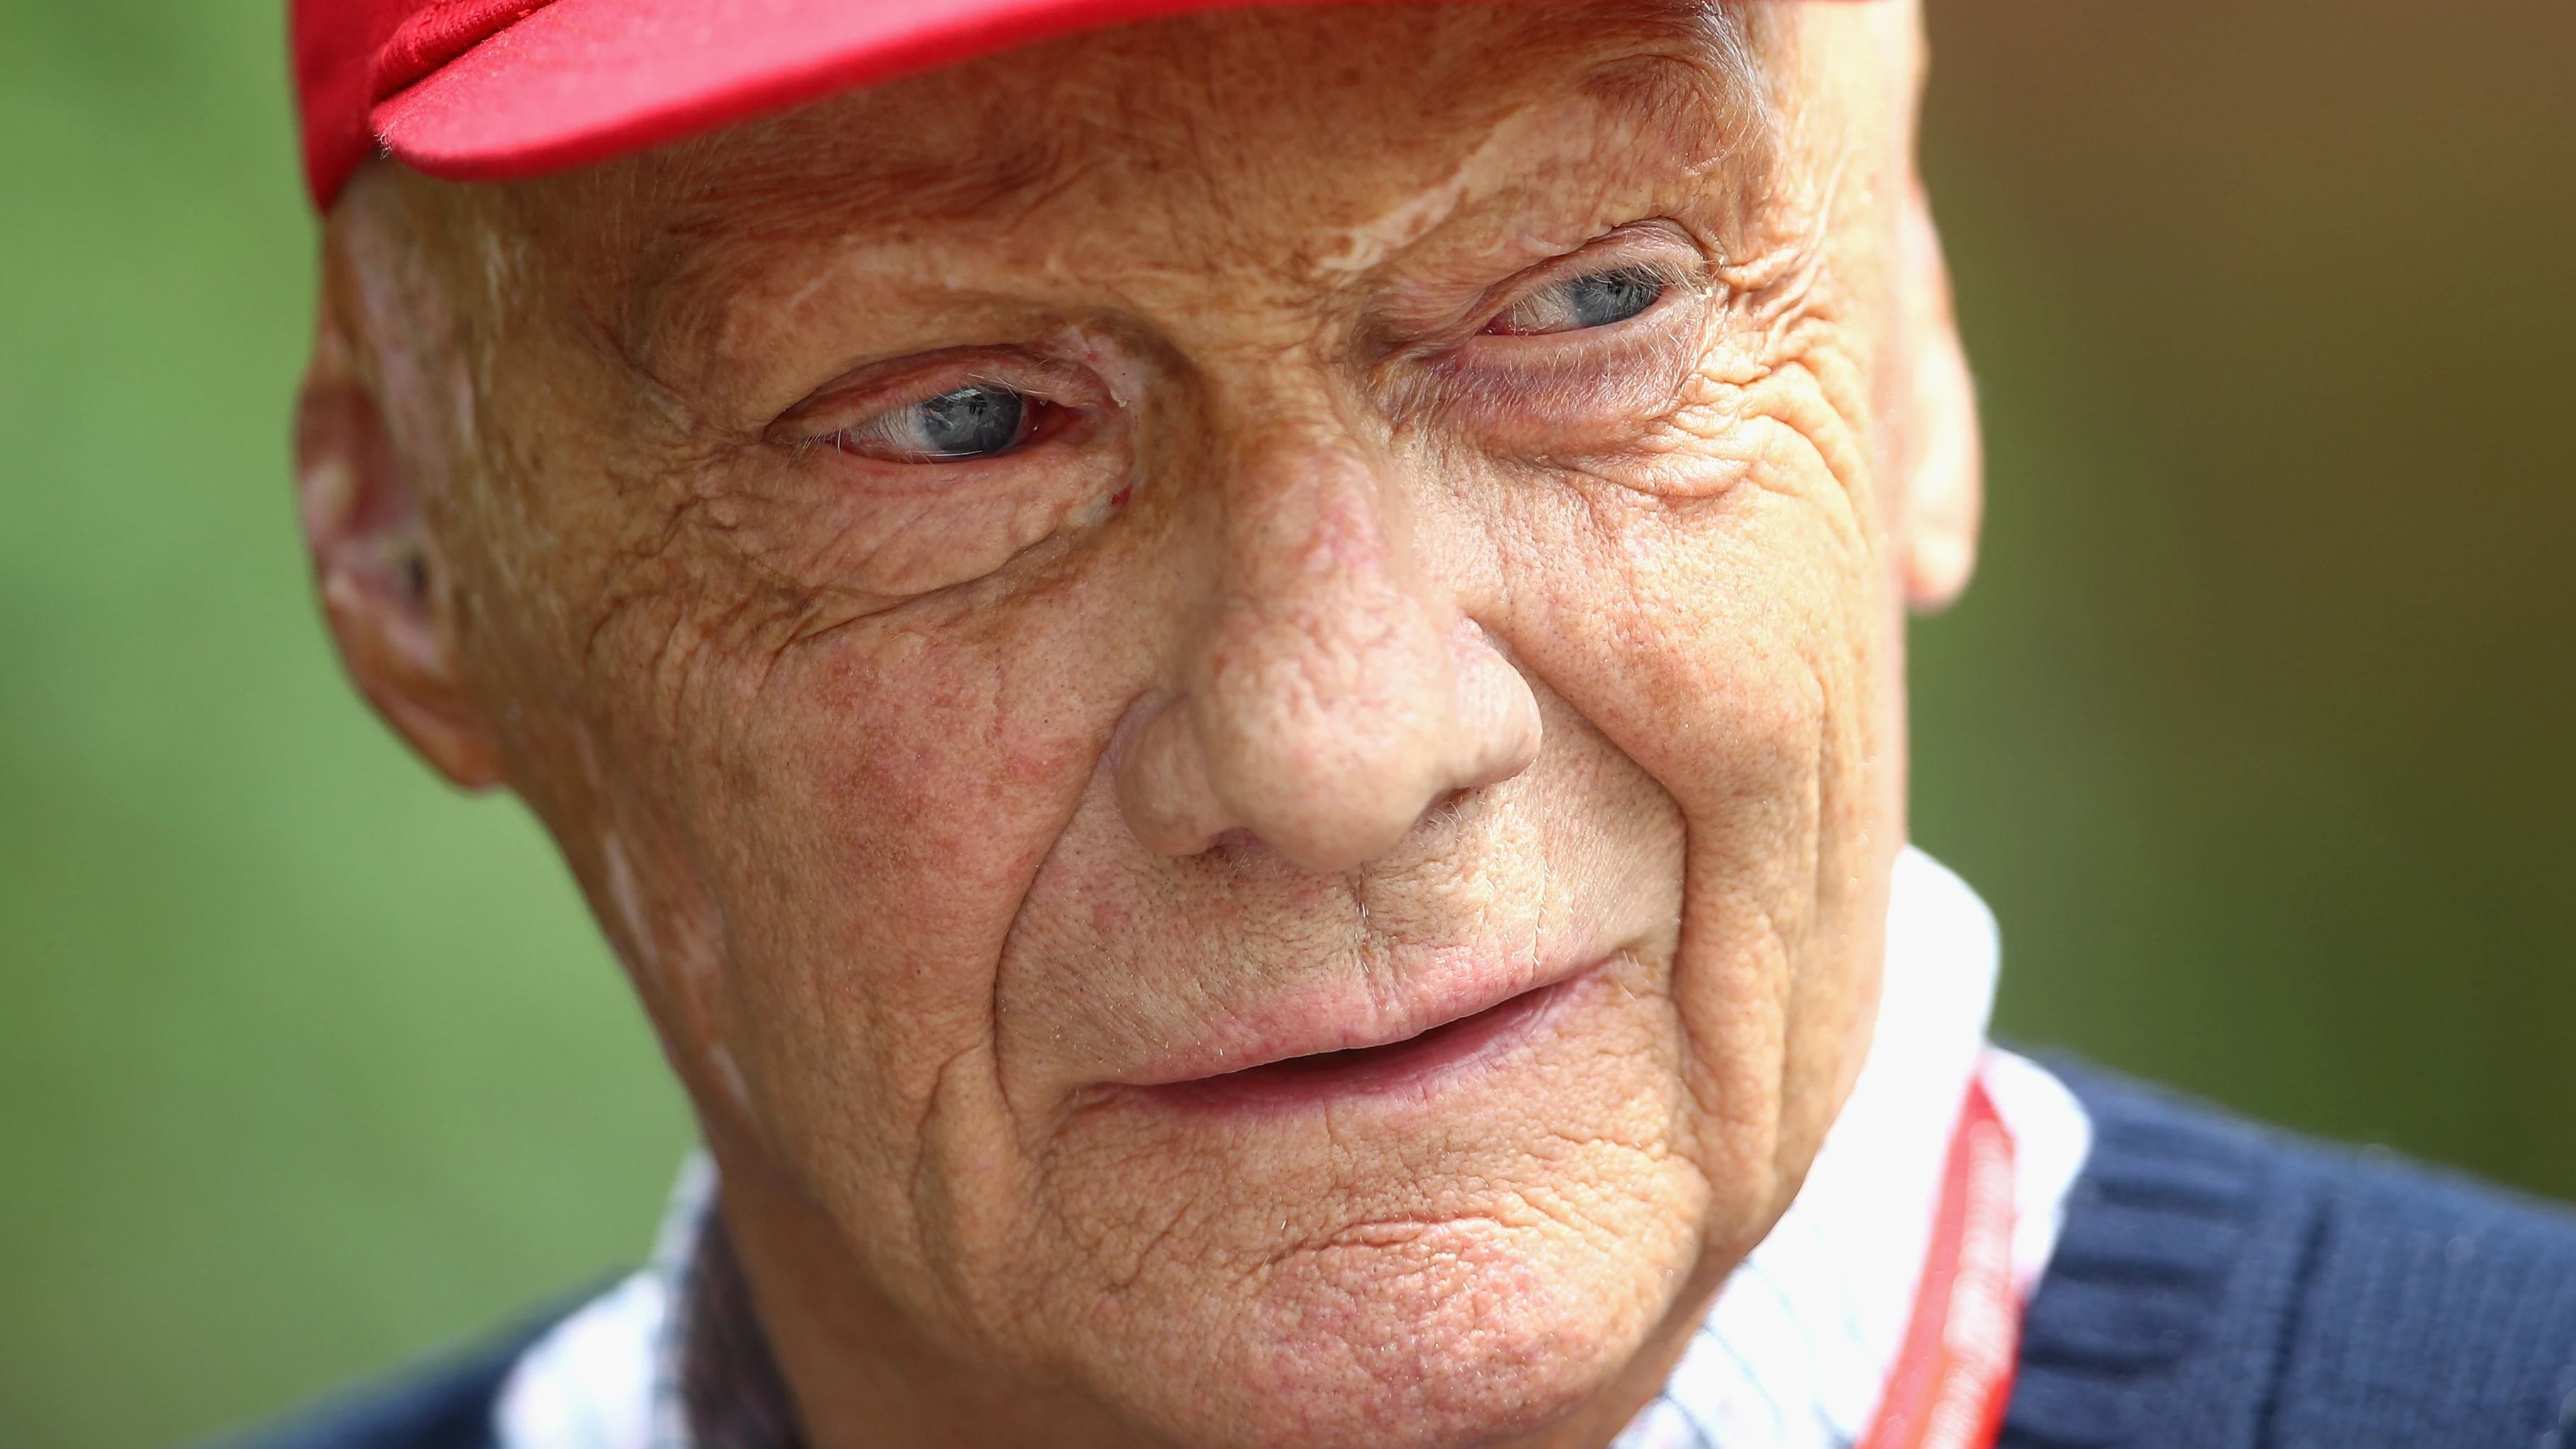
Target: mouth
point(1412, 1063)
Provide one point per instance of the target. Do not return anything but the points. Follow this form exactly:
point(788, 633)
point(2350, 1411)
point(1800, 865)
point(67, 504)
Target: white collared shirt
point(1800, 1343)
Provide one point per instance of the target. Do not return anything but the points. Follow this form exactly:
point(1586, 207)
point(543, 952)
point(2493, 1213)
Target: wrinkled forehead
point(1218, 98)
point(1321, 136)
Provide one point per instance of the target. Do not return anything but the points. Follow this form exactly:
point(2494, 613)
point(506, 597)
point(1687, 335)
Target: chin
point(1404, 1336)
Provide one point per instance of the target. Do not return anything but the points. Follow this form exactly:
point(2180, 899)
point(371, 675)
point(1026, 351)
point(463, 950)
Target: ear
point(381, 585)
point(1945, 483)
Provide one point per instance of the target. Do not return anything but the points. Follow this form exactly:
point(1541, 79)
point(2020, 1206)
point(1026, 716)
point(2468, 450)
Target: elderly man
point(1232, 679)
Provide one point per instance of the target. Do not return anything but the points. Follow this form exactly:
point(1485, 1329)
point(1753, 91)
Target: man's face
point(1229, 684)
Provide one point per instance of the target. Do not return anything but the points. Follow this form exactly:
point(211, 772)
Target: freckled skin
point(1325, 666)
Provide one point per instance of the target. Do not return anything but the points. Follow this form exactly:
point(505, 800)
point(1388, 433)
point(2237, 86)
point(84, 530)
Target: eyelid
point(853, 401)
point(1666, 249)
point(1561, 393)
point(1676, 263)
point(874, 436)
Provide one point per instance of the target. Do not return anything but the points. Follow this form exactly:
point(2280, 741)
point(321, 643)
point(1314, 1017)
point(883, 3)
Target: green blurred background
point(2256, 729)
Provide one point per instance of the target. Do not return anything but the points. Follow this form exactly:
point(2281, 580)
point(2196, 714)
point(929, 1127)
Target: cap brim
point(584, 80)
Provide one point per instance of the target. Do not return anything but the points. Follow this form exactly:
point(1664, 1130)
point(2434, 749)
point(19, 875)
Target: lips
point(1319, 1060)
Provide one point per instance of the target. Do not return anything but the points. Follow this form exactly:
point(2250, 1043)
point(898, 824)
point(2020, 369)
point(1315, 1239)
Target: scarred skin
point(1342, 652)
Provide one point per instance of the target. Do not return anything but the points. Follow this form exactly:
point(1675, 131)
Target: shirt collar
point(1801, 1340)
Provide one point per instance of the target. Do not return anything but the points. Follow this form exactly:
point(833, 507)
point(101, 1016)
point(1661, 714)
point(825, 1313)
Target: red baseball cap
point(494, 90)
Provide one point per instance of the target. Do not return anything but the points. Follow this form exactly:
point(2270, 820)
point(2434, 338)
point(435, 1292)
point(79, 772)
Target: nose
point(1338, 691)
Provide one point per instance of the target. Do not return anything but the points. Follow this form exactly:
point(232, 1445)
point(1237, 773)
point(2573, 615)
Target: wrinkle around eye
point(1594, 390)
point(797, 515)
point(1766, 433)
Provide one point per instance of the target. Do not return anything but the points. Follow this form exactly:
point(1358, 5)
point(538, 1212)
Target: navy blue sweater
point(2218, 1286)
point(2223, 1286)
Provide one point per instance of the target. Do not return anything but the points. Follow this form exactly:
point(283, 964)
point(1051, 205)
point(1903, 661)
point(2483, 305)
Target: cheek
point(1722, 643)
point(1729, 646)
point(870, 806)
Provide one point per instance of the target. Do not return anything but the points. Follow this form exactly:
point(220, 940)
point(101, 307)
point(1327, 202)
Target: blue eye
point(980, 420)
point(1607, 297)
point(1576, 304)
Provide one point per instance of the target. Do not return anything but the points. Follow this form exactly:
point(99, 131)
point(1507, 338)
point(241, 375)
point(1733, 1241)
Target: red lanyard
point(1951, 1383)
